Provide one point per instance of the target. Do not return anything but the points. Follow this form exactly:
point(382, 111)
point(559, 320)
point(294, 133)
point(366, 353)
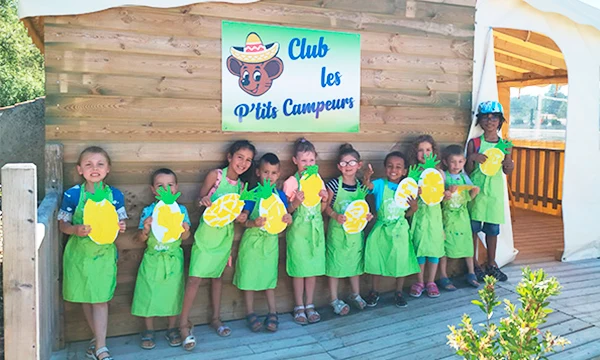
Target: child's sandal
point(103, 350)
point(357, 301)
point(416, 290)
point(340, 307)
point(432, 290)
point(312, 314)
point(300, 315)
point(221, 329)
point(447, 284)
point(253, 323)
point(89, 352)
point(148, 340)
point(173, 337)
point(189, 343)
point(272, 322)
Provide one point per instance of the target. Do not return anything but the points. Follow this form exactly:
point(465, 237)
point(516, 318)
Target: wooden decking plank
point(323, 356)
point(286, 353)
point(579, 338)
point(590, 350)
point(267, 346)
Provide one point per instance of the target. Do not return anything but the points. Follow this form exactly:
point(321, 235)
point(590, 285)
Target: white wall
point(580, 45)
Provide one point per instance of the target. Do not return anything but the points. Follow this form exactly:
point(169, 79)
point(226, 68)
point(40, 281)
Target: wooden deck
point(386, 332)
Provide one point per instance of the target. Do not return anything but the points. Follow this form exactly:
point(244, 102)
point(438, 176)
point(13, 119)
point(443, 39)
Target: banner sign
point(284, 79)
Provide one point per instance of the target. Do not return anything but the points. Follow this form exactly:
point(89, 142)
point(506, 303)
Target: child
point(305, 237)
point(487, 210)
point(258, 256)
point(455, 216)
point(212, 245)
point(89, 269)
point(344, 252)
point(389, 251)
point(159, 285)
point(426, 230)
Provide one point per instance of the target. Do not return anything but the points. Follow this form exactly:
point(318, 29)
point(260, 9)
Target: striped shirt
point(333, 186)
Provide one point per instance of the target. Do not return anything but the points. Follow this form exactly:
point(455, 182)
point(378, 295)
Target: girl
point(159, 285)
point(305, 237)
point(389, 251)
point(344, 252)
point(258, 256)
point(455, 216)
point(212, 245)
point(487, 210)
point(426, 229)
point(89, 269)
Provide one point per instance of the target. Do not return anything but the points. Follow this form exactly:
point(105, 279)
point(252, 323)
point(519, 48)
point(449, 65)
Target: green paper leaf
point(414, 172)
point(311, 170)
point(101, 192)
point(166, 196)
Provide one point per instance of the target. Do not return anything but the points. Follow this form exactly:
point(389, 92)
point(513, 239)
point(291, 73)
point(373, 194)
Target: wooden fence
point(31, 268)
point(536, 183)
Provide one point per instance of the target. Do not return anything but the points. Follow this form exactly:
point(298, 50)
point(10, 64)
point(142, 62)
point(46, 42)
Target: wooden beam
point(535, 62)
point(34, 34)
point(506, 74)
point(522, 64)
point(510, 67)
point(558, 80)
point(530, 37)
point(528, 53)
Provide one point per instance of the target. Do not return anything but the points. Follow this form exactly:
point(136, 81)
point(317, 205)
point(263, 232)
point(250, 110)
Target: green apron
point(488, 205)
point(457, 224)
point(89, 269)
point(306, 242)
point(159, 286)
point(427, 230)
point(389, 251)
point(344, 252)
point(258, 258)
point(212, 245)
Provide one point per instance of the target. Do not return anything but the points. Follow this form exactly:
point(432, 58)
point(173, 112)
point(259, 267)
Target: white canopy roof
point(586, 12)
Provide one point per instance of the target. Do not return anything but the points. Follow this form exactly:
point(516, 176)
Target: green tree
point(558, 108)
point(21, 63)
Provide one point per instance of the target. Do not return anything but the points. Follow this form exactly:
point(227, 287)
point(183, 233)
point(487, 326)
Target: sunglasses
point(490, 117)
point(348, 163)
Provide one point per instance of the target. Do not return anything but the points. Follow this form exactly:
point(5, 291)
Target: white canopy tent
point(577, 33)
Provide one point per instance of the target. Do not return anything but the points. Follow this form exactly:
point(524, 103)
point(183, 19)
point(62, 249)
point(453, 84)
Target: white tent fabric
point(586, 12)
point(580, 45)
point(29, 8)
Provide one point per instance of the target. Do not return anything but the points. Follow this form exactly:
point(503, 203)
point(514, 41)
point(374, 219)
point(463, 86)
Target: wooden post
point(19, 202)
point(54, 168)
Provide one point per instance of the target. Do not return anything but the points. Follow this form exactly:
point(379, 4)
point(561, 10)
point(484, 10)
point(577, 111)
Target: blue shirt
point(456, 177)
point(249, 205)
point(378, 188)
point(147, 212)
point(71, 199)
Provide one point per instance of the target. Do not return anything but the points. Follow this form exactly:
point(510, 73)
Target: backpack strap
point(477, 143)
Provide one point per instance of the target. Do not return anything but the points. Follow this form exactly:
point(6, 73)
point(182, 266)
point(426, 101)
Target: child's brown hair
point(414, 148)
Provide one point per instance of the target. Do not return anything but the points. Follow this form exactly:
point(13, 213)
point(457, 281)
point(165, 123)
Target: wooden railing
point(31, 266)
point(536, 183)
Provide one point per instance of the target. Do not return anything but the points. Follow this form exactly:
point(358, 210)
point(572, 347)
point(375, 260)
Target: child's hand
point(508, 164)
point(368, 173)
point(186, 226)
point(242, 218)
point(413, 203)
point(369, 217)
point(478, 158)
point(340, 218)
point(299, 199)
point(447, 194)
point(148, 224)
point(123, 226)
point(287, 218)
point(452, 189)
point(260, 221)
point(82, 230)
point(474, 191)
point(205, 201)
point(324, 195)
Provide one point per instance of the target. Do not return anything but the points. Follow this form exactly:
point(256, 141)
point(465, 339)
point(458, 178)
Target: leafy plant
point(516, 336)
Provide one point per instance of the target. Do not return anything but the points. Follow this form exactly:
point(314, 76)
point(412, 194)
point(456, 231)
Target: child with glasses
point(344, 252)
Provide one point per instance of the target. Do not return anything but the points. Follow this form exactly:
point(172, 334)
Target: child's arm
point(143, 234)
point(508, 165)
point(475, 190)
point(367, 177)
point(70, 229)
point(258, 222)
point(413, 204)
point(473, 157)
point(209, 181)
point(340, 218)
point(186, 231)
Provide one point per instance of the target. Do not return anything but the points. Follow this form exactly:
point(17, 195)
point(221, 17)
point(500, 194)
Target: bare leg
point(475, 245)
point(376, 279)
point(271, 300)
point(470, 266)
point(149, 321)
point(491, 241)
point(249, 299)
point(421, 274)
point(333, 288)
point(355, 284)
point(100, 315)
point(310, 283)
point(172, 321)
point(298, 284)
point(191, 289)
point(89, 315)
point(443, 267)
point(432, 268)
point(217, 286)
point(399, 284)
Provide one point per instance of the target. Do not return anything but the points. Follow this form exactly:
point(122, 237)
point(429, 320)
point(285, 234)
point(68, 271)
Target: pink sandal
point(416, 290)
point(432, 290)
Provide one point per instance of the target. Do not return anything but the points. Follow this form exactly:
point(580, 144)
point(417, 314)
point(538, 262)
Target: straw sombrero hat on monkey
point(254, 52)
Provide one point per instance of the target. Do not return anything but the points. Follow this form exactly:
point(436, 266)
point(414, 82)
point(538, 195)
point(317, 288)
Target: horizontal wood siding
point(145, 84)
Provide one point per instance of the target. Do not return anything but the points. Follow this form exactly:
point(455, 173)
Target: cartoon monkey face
point(255, 78)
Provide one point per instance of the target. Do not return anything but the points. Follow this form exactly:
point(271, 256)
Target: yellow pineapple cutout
point(101, 215)
point(495, 156)
point(356, 213)
point(407, 188)
point(312, 184)
point(431, 181)
point(167, 218)
point(226, 209)
point(271, 208)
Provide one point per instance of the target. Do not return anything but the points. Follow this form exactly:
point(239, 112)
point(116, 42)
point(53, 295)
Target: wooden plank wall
point(144, 83)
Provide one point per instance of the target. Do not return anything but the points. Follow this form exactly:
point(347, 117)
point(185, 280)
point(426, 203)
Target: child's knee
point(194, 281)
